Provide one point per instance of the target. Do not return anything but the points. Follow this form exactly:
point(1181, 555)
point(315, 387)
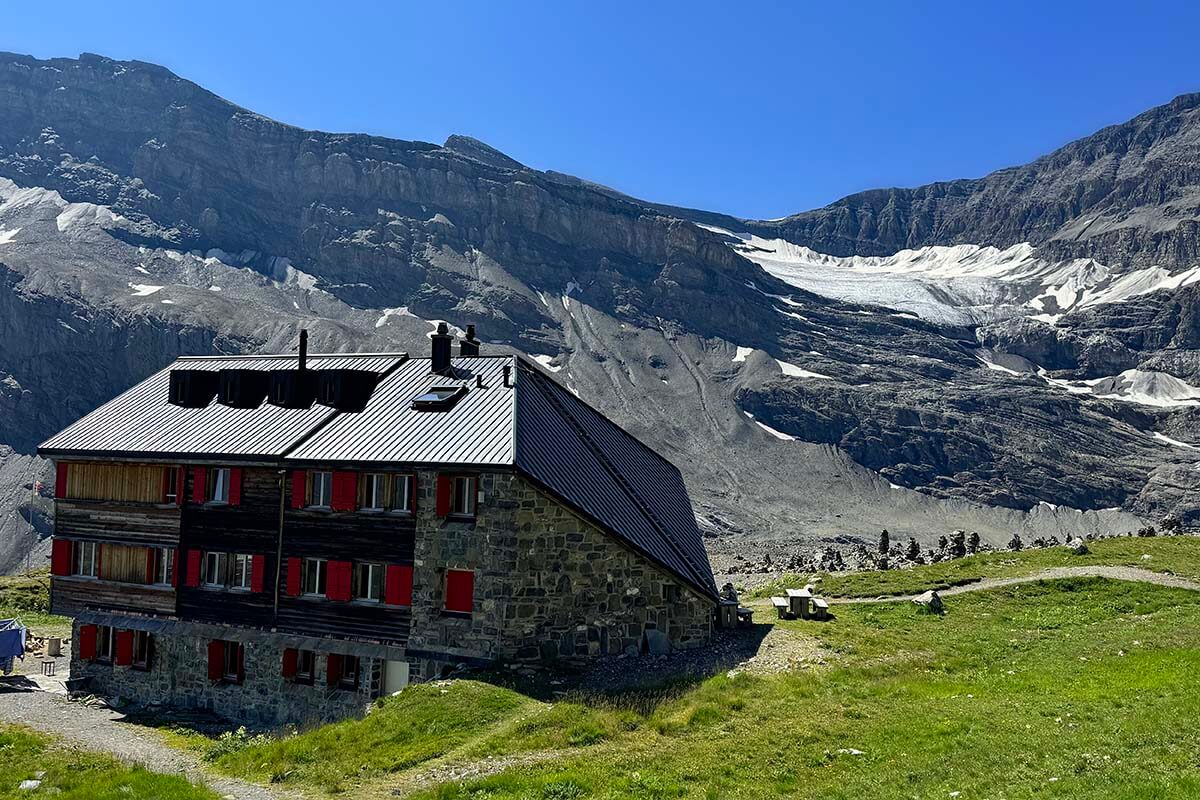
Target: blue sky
point(755, 109)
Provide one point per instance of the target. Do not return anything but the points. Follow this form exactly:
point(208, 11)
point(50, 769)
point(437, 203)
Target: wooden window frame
point(143, 651)
point(233, 652)
point(106, 645)
point(349, 683)
point(321, 582)
point(164, 566)
point(93, 565)
point(171, 488)
point(304, 676)
point(206, 579)
point(378, 484)
point(372, 569)
point(327, 483)
point(470, 495)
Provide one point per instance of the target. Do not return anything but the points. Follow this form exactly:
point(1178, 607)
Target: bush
point(231, 742)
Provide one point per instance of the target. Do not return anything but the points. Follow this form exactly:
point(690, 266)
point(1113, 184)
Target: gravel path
point(104, 730)
point(1134, 574)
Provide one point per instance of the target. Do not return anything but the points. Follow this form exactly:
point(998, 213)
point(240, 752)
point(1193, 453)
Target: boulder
point(930, 602)
point(657, 643)
point(1078, 546)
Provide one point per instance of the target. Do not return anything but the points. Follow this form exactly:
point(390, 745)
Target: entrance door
point(395, 676)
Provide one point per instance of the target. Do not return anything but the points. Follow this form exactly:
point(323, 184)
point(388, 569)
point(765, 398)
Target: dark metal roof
point(584, 458)
point(533, 425)
point(476, 430)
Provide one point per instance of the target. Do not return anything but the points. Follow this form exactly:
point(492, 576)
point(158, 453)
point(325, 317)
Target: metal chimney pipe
point(470, 345)
point(440, 350)
point(303, 349)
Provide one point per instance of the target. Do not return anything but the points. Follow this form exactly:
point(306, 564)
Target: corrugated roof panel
point(625, 486)
point(476, 430)
point(141, 422)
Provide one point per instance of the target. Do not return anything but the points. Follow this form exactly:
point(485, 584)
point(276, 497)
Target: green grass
point(76, 775)
point(1077, 688)
point(1177, 554)
point(28, 597)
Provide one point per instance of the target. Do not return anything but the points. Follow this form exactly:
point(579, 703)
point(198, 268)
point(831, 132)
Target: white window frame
point(106, 644)
point(350, 681)
point(221, 567)
point(81, 566)
point(171, 497)
point(319, 580)
point(462, 496)
point(374, 491)
point(242, 564)
point(220, 485)
point(164, 562)
point(321, 489)
point(402, 493)
point(373, 573)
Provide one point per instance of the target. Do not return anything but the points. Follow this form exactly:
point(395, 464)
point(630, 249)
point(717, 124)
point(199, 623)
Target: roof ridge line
point(616, 475)
point(394, 354)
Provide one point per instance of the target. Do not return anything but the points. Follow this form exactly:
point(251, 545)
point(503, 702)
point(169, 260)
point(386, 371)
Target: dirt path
point(1133, 574)
point(105, 731)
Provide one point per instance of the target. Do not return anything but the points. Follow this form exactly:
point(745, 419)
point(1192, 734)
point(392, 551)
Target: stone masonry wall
point(547, 582)
point(178, 676)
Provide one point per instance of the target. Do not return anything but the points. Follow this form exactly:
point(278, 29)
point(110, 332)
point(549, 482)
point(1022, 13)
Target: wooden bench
point(745, 616)
point(783, 607)
point(820, 608)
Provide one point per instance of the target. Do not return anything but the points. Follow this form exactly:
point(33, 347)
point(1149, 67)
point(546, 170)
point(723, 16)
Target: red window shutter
point(193, 569)
point(460, 590)
point(175, 568)
point(60, 479)
point(333, 669)
point(299, 488)
point(124, 648)
point(293, 577)
point(149, 565)
point(216, 660)
point(397, 585)
point(60, 557)
point(235, 486)
point(87, 642)
point(258, 568)
point(444, 485)
point(199, 484)
point(289, 662)
point(337, 580)
point(345, 491)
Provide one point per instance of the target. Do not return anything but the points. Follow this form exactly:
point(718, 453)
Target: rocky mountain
point(811, 381)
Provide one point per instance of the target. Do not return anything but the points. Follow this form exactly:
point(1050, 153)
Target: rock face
point(142, 217)
point(1125, 195)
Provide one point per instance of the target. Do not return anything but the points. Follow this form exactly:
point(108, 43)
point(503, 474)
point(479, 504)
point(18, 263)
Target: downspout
point(279, 542)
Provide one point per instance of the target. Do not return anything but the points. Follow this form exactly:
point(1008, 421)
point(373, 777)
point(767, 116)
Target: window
point(402, 494)
point(322, 490)
point(312, 576)
point(374, 491)
point(241, 571)
point(349, 679)
point(164, 565)
point(218, 489)
point(141, 650)
point(85, 560)
point(439, 398)
point(214, 570)
point(105, 644)
point(170, 485)
point(462, 499)
point(306, 666)
point(368, 582)
point(232, 671)
point(460, 591)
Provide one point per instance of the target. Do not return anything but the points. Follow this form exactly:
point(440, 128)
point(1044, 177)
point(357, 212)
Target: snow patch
point(1174, 442)
point(85, 212)
point(545, 360)
point(400, 311)
point(141, 269)
point(799, 372)
point(214, 288)
point(8, 236)
point(144, 289)
point(742, 352)
point(769, 429)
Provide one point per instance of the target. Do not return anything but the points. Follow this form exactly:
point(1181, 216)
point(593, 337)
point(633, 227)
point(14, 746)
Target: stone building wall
point(178, 676)
point(547, 583)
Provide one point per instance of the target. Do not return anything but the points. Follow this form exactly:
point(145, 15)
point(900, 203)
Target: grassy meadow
point(1073, 688)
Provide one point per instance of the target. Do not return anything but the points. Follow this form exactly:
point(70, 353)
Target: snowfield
point(965, 284)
